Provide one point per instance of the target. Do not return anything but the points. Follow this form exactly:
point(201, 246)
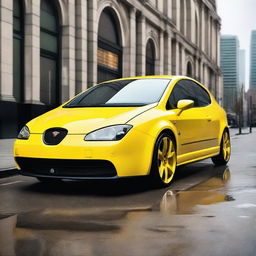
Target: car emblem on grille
point(55, 133)
point(52, 171)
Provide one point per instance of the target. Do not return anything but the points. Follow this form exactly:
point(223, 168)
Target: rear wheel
point(225, 150)
point(164, 161)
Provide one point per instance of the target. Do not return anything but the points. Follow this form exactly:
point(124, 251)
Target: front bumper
point(130, 156)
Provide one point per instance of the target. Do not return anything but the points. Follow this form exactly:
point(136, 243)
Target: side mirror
point(185, 104)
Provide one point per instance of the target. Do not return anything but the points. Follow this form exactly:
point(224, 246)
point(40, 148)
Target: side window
point(203, 98)
point(189, 90)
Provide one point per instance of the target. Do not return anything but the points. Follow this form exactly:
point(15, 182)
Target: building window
point(49, 53)
point(189, 69)
point(18, 48)
point(150, 58)
point(109, 47)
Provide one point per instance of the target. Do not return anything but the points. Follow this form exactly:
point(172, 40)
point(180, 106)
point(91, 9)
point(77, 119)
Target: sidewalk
point(7, 164)
point(235, 131)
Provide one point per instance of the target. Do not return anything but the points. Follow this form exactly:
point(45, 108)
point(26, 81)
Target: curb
point(8, 172)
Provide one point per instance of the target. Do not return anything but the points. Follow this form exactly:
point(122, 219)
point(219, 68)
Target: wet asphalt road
point(206, 211)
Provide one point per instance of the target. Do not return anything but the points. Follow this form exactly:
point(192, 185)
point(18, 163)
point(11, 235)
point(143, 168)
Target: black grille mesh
point(66, 167)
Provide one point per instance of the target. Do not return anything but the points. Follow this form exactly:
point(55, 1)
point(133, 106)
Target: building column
point(69, 54)
point(218, 45)
point(160, 6)
point(196, 73)
point(206, 77)
point(202, 71)
point(167, 8)
point(32, 53)
point(141, 46)
point(6, 50)
point(81, 45)
point(175, 58)
point(183, 61)
point(92, 28)
point(168, 54)
point(175, 12)
point(202, 33)
point(210, 41)
point(160, 62)
point(207, 33)
point(132, 42)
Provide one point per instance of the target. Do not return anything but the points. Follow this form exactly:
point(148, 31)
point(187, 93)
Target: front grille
point(54, 136)
point(66, 167)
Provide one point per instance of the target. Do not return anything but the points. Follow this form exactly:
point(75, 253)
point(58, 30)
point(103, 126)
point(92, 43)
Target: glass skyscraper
point(253, 61)
point(230, 70)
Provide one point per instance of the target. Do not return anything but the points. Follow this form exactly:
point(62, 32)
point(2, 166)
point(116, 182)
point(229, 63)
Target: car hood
point(85, 120)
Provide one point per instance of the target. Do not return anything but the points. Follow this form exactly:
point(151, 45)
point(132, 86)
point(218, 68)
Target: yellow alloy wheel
point(226, 146)
point(164, 161)
point(225, 150)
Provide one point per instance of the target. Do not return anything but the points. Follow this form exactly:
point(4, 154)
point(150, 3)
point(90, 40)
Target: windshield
point(131, 92)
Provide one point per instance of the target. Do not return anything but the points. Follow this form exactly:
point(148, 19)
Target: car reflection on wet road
point(206, 211)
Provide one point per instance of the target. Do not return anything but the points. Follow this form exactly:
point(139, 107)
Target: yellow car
point(127, 127)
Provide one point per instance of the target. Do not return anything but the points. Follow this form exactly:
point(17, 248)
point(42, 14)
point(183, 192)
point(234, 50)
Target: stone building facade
point(50, 50)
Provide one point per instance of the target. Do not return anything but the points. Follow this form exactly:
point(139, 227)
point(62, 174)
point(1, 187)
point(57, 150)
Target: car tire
point(225, 150)
point(48, 180)
point(164, 161)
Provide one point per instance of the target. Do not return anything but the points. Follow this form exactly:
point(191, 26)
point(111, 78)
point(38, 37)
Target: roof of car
point(147, 77)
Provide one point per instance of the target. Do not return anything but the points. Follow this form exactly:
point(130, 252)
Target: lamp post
point(240, 109)
point(250, 113)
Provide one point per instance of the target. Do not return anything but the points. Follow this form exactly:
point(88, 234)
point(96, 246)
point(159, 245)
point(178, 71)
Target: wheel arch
point(171, 133)
point(225, 128)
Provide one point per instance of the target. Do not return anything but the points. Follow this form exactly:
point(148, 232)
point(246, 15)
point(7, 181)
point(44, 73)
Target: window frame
point(196, 83)
point(111, 47)
point(52, 55)
point(19, 35)
point(150, 61)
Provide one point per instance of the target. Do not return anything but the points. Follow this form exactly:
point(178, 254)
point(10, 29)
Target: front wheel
point(164, 160)
point(225, 150)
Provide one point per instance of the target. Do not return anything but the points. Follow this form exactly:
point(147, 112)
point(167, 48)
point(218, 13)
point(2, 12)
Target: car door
point(205, 105)
point(191, 123)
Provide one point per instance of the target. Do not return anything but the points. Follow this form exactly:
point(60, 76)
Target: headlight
point(24, 133)
point(115, 132)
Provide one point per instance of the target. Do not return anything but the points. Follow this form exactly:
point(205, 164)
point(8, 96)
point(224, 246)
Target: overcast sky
point(239, 18)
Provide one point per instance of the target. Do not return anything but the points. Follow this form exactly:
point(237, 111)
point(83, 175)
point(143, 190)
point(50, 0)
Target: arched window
point(109, 47)
point(189, 69)
point(18, 50)
point(150, 58)
point(49, 53)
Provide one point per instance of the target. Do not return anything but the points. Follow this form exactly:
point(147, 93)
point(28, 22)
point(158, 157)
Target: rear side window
point(189, 90)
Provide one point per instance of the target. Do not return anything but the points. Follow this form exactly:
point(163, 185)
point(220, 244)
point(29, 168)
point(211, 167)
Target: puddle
point(205, 193)
point(186, 202)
